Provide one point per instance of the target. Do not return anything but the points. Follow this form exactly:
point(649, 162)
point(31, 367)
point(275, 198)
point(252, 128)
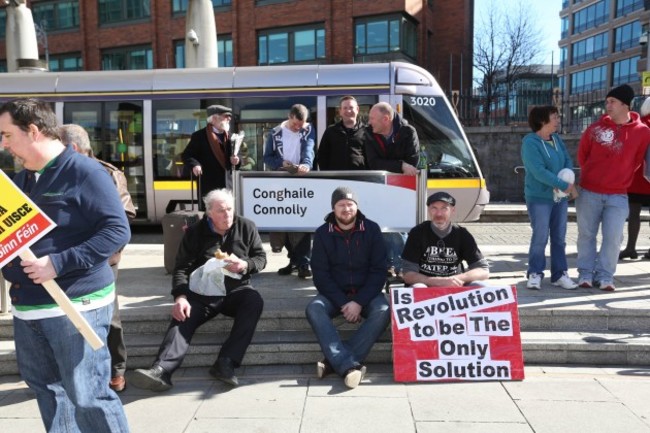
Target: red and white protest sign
point(456, 334)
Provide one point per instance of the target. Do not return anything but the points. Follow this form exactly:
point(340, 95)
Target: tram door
point(115, 131)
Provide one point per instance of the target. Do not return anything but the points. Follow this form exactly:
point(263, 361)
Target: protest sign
point(456, 334)
point(22, 223)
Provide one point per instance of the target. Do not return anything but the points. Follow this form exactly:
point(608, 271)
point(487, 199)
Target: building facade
point(599, 49)
point(146, 34)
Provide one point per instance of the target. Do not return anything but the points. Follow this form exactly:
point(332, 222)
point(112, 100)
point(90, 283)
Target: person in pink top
point(610, 151)
point(638, 195)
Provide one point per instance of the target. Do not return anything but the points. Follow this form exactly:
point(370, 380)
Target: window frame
point(264, 48)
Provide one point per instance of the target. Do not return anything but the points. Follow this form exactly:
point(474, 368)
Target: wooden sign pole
point(68, 308)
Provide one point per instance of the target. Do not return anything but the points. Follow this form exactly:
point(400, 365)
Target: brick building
point(146, 34)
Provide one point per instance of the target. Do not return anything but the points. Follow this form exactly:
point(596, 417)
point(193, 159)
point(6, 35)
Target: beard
point(344, 221)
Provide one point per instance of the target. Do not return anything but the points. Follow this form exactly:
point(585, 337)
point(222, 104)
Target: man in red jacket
point(610, 151)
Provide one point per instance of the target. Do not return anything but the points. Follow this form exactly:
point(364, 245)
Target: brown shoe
point(117, 383)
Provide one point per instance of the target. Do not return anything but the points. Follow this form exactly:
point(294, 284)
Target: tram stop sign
point(22, 223)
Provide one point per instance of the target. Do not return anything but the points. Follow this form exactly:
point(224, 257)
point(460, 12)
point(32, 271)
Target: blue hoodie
point(543, 162)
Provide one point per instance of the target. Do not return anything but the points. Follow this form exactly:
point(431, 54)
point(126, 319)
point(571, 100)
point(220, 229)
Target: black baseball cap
point(441, 196)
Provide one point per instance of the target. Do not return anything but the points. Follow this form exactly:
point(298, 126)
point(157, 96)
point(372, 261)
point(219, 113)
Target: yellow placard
point(21, 222)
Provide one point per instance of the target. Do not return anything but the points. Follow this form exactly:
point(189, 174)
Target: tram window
point(447, 153)
point(365, 104)
point(8, 163)
point(115, 131)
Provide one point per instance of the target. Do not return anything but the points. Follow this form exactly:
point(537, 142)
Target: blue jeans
point(69, 378)
point(394, 242)
point(299, 247)
point(547, 219)
point(592, 209)
point(343, 355)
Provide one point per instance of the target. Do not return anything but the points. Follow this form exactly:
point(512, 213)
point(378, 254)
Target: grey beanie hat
point(343, 193)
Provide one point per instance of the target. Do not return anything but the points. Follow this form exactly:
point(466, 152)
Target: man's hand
point(452, 281)
point(234, 160)
point(236, 265)
point(182, 308)
point(197, 170)
point(39, 270)
point(302, 169)
point(409, 169)
point(352, 312)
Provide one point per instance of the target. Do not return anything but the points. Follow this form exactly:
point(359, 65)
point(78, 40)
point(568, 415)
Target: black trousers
point(244, 304)
point(115, 338)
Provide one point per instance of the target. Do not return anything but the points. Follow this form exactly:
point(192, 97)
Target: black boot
point(224, 370)
point(155, 378)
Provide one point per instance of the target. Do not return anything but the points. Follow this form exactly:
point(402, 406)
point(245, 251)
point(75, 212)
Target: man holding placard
point(69, 378)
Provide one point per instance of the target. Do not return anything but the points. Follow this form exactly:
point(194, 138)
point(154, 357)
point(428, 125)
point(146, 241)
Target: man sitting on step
point(238, 238)
point(349, 266)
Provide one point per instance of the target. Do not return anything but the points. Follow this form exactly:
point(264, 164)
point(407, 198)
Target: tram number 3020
point(427, 101)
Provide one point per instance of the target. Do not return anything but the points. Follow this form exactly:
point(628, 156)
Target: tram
point(141, 121)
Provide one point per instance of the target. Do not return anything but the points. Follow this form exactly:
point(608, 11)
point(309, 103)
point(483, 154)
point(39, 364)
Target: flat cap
point(218, 109)
point(441, 196)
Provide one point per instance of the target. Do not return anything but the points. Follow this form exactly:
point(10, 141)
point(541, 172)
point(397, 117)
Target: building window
point(56, 15)
point(3, 23)
point(625, 71)
point(627, 36)
point(224, 52)
point(127, 58)
point(291, 46)
point(565, 27)
point(589, 49)
point(180, 6)
point(3, 66)
point(66, 62)
point(224, 47)
point(115, 11)
point(563, 57)
point(385, 35)
point(588, 80)
point(591, 16)
point(624, 7)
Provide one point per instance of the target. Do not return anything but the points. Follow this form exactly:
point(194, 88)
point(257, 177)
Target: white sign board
point(284, 202)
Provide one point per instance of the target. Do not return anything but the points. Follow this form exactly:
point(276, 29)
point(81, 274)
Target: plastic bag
point(208, 280)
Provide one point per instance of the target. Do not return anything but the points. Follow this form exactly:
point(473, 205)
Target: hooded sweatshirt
point(609, 154)
point(543, 161)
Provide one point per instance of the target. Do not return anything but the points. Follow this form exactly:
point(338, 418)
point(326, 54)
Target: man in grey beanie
point(348, 263)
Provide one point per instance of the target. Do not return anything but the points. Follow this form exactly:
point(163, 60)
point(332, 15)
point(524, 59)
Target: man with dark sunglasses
point(435, 250)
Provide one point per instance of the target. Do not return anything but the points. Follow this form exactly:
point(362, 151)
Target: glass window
point(115, 131)
point(588, 80)
point(113, 11)
point(563, 56)
point(385, 35)
point(180, 6)
point(224, 49)
point(3, 65)
point(66, 62)
point(291, 45)
point(624, 7)
point(56, 15)
point(127, 58)
point(625, 71)
point(627, 36)
point(3, 22)
point(565, 27)
point(590, 48)
point(591, 16)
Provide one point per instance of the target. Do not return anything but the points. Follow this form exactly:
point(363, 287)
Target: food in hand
point(220, 254)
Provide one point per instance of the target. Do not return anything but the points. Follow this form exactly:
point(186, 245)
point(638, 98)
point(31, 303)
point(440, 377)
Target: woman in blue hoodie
point(544, 154)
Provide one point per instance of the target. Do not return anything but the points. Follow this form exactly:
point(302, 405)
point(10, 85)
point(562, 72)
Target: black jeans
point(115, 338)
point(244, 304)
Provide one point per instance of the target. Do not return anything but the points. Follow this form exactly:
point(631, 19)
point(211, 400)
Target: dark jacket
point(199, 152)
point(200, 243)
point(349, 266)
point(78, 195)
point(389, 155)
point(342, 148)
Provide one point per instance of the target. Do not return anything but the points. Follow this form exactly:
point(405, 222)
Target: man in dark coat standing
point(209, 152)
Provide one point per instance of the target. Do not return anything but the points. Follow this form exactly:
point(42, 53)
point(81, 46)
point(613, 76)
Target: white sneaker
point(565, 282)
point(534, 282)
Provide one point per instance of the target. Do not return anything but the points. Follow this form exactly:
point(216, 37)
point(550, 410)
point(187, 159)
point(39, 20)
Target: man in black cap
point(610, 151)
point(209, 151)
point(348, 262)
point(435, 250)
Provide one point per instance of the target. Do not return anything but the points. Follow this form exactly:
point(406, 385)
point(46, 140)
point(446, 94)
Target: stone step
point(300, 347)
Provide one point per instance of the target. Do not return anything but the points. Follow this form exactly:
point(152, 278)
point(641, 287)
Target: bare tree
point(504, 48)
